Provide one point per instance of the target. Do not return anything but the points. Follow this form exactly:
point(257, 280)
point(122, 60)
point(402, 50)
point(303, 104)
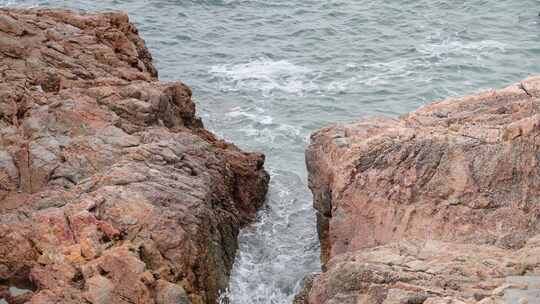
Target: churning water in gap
point(267, 73)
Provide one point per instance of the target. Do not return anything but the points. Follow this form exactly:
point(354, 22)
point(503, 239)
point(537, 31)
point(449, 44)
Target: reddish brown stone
point(461, 171)
point(111, 190)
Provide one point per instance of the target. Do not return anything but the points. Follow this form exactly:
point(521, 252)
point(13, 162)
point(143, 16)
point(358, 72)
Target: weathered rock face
point(111, 190)
point(457, 180)
point(430, 272)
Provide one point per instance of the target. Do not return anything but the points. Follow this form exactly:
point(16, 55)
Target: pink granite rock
point(111, 190)
point(463, 172)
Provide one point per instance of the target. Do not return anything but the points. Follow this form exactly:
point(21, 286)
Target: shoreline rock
point(461, 175)
point(111, 190)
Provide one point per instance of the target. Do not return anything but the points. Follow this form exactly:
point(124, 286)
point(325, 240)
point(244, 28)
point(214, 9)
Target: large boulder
point(461, 174)
point(111, 190)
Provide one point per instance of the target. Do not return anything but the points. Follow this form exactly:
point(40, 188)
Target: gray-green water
point(267, 73)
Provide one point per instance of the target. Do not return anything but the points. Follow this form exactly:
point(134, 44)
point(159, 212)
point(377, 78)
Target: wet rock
point(307, 284)
point(437, 206)
point(111, 190)
point(168, 293)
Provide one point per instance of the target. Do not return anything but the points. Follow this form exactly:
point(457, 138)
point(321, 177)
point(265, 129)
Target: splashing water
point(270, 265)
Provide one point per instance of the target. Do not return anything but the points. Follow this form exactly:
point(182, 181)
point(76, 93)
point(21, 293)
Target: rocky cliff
point(438, 206)
point(111, 190)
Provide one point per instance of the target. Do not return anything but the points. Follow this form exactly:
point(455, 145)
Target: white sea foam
point(376, 74)
point(266, 76)
point(289, 130)
point(260, 135)
point(258, 116)
point(283, 133)
point(271, 257)
point(457, 47)
point(259, 126)
point(382, 73)
point(14, 3)
point(7, 3)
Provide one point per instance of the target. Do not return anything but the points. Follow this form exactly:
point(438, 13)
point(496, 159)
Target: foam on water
point(428, 56)
point(274, 252)
point(265, 74)
point(476, 49)
point(238, 113)
point(15, 3)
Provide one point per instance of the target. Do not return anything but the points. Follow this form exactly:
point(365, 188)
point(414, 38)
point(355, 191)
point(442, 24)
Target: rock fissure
point(521, 86)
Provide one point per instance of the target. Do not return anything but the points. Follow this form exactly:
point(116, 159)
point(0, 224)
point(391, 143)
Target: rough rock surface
point(111, 190)
point(442, 202)
point(429, 272)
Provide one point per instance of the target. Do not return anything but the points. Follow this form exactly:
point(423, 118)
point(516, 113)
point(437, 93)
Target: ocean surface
point(267, 73)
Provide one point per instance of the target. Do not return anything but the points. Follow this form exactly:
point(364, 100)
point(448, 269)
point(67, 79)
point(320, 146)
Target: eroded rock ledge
point(438, 206)
point(111, 190)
